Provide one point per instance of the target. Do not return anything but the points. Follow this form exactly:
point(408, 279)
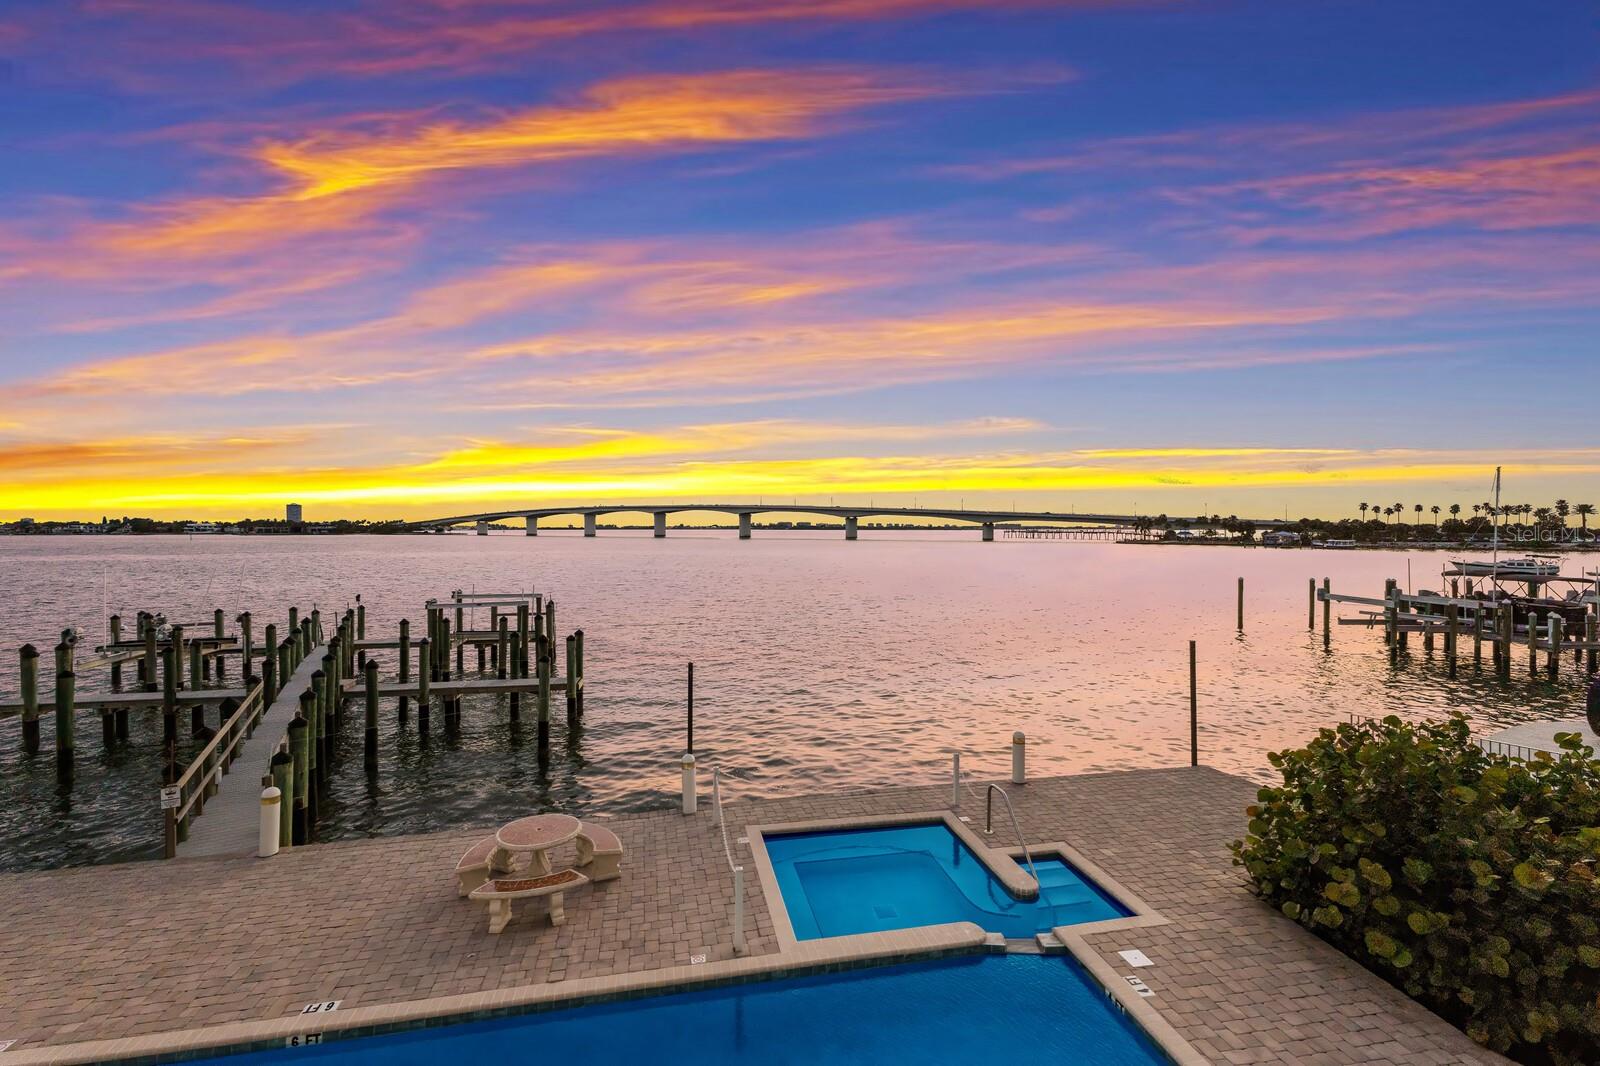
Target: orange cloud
point(334, 184)
point(629, 115)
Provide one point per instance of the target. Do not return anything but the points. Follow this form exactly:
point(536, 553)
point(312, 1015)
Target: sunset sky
point(423, 257)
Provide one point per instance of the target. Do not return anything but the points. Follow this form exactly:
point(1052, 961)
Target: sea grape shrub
point(1465, 878)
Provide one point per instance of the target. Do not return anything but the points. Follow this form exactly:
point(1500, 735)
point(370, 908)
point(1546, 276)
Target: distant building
point(293, 514)
point(1283, 538)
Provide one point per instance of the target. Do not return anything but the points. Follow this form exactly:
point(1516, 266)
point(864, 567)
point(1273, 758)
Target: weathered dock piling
point(1194, 711)
point(404, 667)
point(283, 780)
point(424, 673)
point(299, 829)
point(28, 670)
point(114, 635)
point(66, 708)
point(545, 644)
point(370, 746)
point(572, 680)
point(169, 696)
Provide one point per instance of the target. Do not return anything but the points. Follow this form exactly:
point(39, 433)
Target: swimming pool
point(1036, 1008)
point(841, 881)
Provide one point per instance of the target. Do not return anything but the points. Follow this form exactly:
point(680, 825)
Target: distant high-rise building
point(292, 513)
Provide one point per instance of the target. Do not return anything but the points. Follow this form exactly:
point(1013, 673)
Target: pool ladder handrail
point(735, 868)
point(988, 827)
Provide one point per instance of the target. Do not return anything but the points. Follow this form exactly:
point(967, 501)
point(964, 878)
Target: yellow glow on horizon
point(596, 466)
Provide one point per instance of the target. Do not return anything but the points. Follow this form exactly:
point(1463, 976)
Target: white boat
point(1338, 542)
point(1526, 566)
point(1523, 567)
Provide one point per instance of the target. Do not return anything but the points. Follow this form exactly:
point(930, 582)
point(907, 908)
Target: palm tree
point(1363, 512)
point(1435, 510)
point(1584, 510)
point(1419, 516)
point(1562, 510)
point(1455, 510)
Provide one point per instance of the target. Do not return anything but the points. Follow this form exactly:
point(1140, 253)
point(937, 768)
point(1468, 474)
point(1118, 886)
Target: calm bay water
point(819, 665)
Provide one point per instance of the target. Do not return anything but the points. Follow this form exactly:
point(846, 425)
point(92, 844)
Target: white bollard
point(270, 798)
point(1019, 758)
point(955, 781)
point(691, 796)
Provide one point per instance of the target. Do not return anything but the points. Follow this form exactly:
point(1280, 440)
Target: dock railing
point(203, 776)
point(736, 869)
point(1493, 747)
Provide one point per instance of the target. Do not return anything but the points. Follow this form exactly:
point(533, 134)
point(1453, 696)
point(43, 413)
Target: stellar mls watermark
point(1523, 535)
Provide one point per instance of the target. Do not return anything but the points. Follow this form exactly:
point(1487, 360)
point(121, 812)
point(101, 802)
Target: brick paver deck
point(112, 952)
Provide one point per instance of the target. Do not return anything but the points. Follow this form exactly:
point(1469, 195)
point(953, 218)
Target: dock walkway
point(1529, 737)
point(231, 823)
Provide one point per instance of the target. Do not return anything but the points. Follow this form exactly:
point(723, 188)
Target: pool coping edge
point(1073, 937)
point(900, 945)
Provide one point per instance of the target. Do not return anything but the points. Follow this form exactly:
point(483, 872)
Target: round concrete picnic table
point(535, 836)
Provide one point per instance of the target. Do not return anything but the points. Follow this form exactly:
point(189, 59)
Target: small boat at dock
point(1525, 566)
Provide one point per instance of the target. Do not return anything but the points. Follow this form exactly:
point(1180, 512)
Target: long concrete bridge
point(852, 516)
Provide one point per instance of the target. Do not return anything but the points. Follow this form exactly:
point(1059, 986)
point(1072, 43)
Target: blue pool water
point(839, 882)
point(1038, 1008)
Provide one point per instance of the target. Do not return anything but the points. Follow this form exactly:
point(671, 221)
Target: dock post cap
point(28, 651)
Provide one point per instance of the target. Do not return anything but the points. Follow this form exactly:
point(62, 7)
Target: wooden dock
point(1544, 629)
point(232, 821)
point(98, 701)
point(284, 717)
point(468, 686)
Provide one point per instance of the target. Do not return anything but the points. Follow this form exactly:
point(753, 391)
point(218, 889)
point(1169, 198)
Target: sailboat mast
point(1495, 558)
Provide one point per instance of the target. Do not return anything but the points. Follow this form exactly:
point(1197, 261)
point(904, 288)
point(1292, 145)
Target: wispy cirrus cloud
point(646, 323)
point(1520, 164)
point(147, 45)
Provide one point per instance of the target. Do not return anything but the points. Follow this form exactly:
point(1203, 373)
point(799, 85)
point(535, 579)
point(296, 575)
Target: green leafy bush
point(1467, 879)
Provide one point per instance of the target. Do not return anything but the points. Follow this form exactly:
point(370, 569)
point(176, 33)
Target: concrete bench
point(473, 869)
point(501, 891)
point(600, 852)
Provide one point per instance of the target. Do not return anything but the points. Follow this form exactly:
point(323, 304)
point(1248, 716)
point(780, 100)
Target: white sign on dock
point(171, 797)
point(1135, 957)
